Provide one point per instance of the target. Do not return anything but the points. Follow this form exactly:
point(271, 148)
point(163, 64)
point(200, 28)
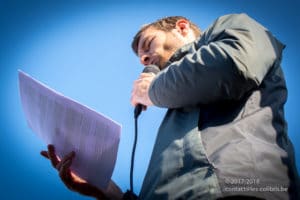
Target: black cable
point(133, 151)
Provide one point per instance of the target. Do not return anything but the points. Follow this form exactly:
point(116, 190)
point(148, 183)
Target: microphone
point(137, 111)
point(148, 69)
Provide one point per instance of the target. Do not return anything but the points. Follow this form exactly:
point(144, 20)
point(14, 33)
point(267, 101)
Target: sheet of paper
point(71, 126)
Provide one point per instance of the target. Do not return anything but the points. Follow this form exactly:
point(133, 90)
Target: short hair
point(164, 24)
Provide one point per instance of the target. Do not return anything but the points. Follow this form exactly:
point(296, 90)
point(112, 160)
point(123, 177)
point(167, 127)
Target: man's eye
point(148, 44)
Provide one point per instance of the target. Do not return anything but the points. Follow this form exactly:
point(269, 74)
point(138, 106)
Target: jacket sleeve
point(231, 58)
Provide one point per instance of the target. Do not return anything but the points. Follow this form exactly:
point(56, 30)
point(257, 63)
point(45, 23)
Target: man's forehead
point(147, 32)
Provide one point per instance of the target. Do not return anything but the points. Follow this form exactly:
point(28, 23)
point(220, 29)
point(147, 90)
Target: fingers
point(45, 154)
point(139, 93)
point(63, 167)
point(65, 173)
point(64, 170)
point(51, 148)
point(52, 156)
point(139, 90)
point(66, 159)
point(145, 75)
point(55, 161)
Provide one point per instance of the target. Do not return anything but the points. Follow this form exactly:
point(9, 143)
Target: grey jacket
point(224, 133)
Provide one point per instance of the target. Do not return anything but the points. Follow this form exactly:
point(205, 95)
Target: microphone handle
point(137, 110)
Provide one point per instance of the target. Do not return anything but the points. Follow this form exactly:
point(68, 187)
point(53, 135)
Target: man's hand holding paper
point(86, 142)
point(74, 182)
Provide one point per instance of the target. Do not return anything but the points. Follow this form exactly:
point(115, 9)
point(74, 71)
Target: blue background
point(82, 49)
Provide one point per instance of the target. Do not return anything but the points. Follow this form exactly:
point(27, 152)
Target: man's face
point(156, 46)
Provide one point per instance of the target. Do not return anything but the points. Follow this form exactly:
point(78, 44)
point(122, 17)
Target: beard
point(170, 46)
point(164, 59)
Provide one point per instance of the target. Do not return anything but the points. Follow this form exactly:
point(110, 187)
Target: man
point(224, 135)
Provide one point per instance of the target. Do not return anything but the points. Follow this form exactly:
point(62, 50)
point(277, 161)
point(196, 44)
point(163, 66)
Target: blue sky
point(83, 51)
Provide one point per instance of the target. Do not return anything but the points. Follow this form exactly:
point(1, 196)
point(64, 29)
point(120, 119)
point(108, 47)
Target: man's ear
point(183, 27)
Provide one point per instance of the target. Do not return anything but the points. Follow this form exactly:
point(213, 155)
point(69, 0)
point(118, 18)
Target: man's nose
point(145, 59)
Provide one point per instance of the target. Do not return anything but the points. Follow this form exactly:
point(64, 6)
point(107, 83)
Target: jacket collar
point(180, 53)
